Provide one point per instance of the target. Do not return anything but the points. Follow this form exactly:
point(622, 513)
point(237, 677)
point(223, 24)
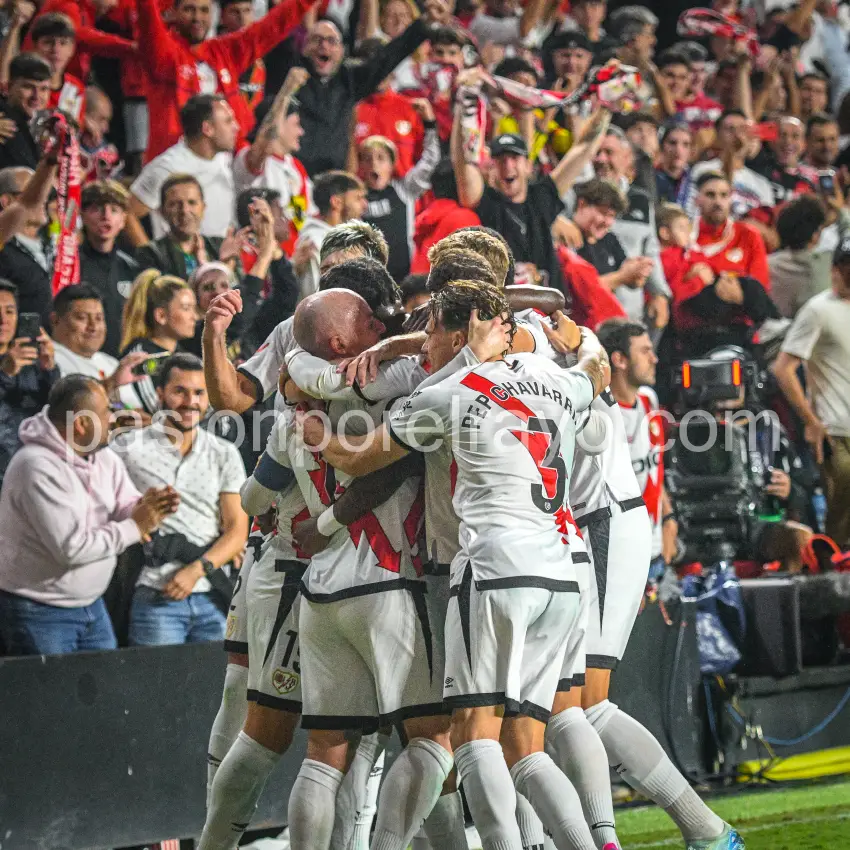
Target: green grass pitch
point(814, 817)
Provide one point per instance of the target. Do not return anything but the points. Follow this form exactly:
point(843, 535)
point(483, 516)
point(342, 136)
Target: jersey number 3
point(542, 440)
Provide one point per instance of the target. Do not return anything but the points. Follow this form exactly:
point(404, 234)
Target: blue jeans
point(156, 620)
point(33, 628)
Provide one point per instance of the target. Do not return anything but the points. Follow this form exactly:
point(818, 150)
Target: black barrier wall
point(105, 750)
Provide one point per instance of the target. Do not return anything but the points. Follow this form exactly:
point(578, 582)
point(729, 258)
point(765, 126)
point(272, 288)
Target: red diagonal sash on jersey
point(652, 491)
point(496, 394)
point(536, 443)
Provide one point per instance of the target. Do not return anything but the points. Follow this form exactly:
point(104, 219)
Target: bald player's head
point(335, 323)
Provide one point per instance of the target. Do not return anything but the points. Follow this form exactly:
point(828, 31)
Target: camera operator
point(778, 532)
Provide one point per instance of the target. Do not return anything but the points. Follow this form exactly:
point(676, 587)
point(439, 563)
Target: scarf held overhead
point(614, 86)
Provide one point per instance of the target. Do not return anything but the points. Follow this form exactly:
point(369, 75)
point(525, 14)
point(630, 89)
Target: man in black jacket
point(29, 92)
point(27, 372)
point(110, 271)
point(26, 257)
point(183, 249)
point(328, 98)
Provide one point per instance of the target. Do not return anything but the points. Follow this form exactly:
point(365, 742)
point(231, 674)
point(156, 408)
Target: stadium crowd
point(238, 159)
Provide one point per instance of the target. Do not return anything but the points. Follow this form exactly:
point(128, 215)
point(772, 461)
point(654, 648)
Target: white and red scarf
point(61, 141)
point(701, 23)
point(615, 86)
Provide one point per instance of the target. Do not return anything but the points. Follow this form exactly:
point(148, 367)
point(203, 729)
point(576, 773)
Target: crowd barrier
point(108, 750)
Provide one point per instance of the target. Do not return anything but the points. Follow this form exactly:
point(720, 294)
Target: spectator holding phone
point(68, 510)
point(159, 314)
point(27, 370)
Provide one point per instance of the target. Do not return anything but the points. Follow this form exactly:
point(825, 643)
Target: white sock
point(311, 806)
point(641, 761)
point(445, 827)
point(530, 828)
point(229, 721)
point(489, 793)
point(357, 799)
point(554, 799)
point(577, 749)
point(238, 785)
point(411, 791)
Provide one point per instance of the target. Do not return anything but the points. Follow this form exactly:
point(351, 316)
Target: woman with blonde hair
point(158, 315)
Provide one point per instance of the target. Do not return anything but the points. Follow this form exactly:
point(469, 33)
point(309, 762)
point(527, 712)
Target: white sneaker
point(279, 843)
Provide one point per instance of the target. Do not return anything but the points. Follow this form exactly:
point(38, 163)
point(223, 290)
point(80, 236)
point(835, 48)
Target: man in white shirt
point(79, 331)
point(339, 197)
point(173, 602)
point(206, 152)
point(819, 338)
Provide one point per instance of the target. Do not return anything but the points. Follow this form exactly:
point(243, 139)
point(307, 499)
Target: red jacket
point(441, 218)
point(391, 115)
point(171, 64)
point(90, 41)
point(592, 301)
point(743, 253)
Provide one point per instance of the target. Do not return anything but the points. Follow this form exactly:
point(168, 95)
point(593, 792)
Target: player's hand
point(21, 352)
point(779, 485)
point(418, 319)
point(815, 435)
point(183, 581)
point(313, 429)
point(364, 367)
point(307, 537)
point(728, 289)
point(221, 311)
point(488, 338)
point(564, 335)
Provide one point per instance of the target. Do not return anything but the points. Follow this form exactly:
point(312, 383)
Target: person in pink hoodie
point(440, 218)
point(67, 510)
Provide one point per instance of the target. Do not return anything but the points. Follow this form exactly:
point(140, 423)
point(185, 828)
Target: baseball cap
point(571, 40)
point(842, 252)
point(508, 143)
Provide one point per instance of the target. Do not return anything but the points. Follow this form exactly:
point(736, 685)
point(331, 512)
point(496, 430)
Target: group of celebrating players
point(460, 550)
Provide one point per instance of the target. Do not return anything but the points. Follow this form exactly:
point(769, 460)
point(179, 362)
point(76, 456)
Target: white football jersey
point(380, 550)
point(290, 505)
point(263, 367)
point(511, 425)
point(599, 477)
point(645, 433)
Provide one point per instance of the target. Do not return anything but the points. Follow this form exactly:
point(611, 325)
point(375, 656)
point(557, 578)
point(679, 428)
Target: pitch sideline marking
point(668, 842)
